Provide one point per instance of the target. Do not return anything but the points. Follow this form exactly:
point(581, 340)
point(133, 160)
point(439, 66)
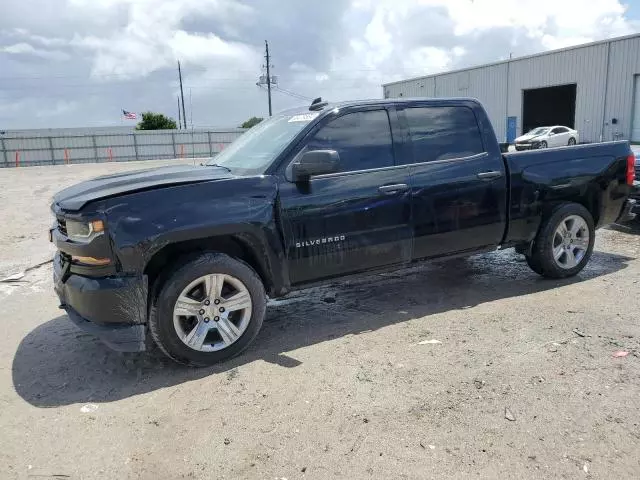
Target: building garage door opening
point(549, 106)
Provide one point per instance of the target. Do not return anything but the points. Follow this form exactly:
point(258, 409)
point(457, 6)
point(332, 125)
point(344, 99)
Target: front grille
point(62, 226)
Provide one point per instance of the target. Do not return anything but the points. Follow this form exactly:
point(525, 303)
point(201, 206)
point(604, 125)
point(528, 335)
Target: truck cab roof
point(329, 106)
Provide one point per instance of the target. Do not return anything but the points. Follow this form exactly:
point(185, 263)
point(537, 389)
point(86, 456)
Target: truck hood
point(77, 196)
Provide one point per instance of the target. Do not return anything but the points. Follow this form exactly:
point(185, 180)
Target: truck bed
point(592, 174)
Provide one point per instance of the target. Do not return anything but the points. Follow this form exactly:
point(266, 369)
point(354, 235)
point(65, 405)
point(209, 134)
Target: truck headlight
point(83, 230)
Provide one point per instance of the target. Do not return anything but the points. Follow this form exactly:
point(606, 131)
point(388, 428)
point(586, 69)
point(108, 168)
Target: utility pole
point(179, 117)
point(184, 113)
point(266, 45)
point(267, 79)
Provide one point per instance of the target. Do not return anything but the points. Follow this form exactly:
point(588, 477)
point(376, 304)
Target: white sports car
point(543, 137)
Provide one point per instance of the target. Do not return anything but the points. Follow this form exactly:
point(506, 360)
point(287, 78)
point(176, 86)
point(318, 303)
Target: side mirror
point(551, 134)
point(316, 162)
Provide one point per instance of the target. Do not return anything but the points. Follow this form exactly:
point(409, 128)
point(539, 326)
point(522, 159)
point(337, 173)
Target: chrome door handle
point(489, 175)
point(393, 189)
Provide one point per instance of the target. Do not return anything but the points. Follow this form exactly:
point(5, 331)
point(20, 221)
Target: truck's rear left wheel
point(209, 310)
point(564, 243)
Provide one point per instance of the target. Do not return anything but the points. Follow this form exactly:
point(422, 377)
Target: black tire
point(161, 324)
point(541, 259)
point(543, 144)
point(572, 141)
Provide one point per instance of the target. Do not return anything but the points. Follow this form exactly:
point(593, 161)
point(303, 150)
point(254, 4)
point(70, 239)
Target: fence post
point(210, 146)
point(4, 152)
point(53, 153)
point(95, 148)
point(135, 145)
point(173, 143)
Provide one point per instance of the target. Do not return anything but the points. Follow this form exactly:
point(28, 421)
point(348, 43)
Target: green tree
point(156, 121)
point(252, 122)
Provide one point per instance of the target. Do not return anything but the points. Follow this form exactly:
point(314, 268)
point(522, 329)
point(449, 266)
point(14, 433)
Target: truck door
point(458, 185)
point(356, 219)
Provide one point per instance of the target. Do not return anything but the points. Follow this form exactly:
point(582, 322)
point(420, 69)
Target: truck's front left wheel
point(209, 310)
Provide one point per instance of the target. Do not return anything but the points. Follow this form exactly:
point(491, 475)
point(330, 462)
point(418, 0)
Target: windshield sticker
point(303, 117)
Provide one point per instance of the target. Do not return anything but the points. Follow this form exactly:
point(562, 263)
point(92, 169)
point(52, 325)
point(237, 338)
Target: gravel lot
point(524, 383)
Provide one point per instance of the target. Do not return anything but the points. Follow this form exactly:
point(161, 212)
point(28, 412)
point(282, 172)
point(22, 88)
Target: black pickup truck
point(186, 256)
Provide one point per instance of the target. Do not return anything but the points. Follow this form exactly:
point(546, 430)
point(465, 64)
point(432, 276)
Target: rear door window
point(441, 133)
point(362, 139)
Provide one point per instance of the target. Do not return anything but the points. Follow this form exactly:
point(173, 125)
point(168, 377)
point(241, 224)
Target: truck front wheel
point(564, 243)
point(209, 310)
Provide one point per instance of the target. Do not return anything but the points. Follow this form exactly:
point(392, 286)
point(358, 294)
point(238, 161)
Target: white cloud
point(153, 38)
point(23, 48)
point(338, 48)
point(45, 110)
point(546, 24)
point(19, 48)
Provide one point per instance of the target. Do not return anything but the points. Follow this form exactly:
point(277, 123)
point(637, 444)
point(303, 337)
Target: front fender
point(140, 225)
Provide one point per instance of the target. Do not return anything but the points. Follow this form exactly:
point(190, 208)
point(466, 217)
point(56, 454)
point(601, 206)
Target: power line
point(150, 81)
point(127, 77)
point(292, 94)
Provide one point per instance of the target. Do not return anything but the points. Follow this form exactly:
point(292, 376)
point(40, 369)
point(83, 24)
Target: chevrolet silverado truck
point(185, 257)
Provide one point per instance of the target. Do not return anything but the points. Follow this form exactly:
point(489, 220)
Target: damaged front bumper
point(111, 308)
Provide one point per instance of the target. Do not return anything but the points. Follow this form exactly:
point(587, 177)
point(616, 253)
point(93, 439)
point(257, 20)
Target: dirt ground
point(523, 382)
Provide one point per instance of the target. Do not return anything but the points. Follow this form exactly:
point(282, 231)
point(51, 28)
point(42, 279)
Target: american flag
point(129, 115)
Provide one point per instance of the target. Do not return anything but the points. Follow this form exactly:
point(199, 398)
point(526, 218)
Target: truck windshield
point(254, 151)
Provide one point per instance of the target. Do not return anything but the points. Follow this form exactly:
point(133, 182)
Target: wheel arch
point(541, 258)
point(244, 247)
point(589, 200)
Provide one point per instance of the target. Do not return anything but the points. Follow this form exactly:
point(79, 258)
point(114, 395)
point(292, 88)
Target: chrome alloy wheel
point(212, 312)
point(570, 242)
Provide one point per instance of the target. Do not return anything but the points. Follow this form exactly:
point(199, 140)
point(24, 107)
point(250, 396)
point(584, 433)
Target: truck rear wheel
point(564, 243)
point(209, 310)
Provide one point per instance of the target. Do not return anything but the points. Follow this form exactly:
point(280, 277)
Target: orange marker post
point(66, 156)
point(110, 152)
point(17, 158)
point(181, 151)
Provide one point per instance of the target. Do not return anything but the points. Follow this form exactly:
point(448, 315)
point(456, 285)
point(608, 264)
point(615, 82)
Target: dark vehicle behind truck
point(187, 256)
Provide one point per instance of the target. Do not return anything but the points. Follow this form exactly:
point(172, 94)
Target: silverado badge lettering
point(311, 243)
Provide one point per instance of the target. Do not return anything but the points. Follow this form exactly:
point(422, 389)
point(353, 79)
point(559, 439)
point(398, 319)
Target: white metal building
point(594, 88)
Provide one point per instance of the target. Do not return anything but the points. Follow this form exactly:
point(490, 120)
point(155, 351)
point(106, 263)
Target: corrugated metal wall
point(118, 147)
point(624, 66)
point(488, 83)
point(585, 66)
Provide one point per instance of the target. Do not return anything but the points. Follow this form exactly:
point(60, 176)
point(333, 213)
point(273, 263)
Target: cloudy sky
point(69, 63)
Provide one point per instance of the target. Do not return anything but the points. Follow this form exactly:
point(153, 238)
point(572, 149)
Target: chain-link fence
point(23, 151)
